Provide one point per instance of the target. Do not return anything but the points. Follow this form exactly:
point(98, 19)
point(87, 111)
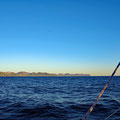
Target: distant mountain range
point(38, 74)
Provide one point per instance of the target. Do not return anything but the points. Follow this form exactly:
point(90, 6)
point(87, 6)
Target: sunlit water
point(57, 98)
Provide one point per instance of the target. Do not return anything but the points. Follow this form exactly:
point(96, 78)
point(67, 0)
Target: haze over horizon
point(63, 36)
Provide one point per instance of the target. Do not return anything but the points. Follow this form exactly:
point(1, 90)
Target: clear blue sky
point(60, 36)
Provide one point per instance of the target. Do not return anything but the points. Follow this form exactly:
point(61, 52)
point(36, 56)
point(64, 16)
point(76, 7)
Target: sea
point(58, 98)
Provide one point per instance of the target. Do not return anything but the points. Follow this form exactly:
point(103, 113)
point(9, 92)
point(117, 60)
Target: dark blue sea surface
point(57, 98)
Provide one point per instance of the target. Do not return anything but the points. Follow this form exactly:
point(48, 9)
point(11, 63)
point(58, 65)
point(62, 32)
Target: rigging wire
point(112, 113)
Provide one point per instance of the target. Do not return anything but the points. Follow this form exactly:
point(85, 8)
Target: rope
point(112, 113)
point(91, 108)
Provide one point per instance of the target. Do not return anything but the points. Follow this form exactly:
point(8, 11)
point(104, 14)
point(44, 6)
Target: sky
point(60, 36)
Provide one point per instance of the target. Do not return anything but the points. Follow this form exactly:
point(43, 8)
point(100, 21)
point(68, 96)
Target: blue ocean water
point(57, 98)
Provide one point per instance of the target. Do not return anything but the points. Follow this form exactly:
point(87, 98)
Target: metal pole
point(91, 108)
